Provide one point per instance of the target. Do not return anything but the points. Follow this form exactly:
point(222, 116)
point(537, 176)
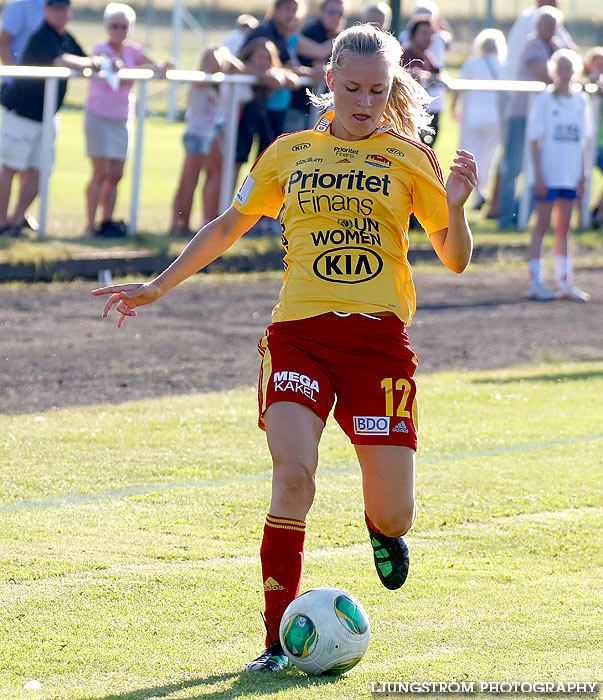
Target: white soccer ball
point(325, 631)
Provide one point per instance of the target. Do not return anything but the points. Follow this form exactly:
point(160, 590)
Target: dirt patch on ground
point(56, 351)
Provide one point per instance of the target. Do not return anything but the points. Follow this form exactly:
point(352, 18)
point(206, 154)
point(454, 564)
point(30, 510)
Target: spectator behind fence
point(261, 59)
point(109, 110)
point(23, 104)
point(280, 24)
point(235, 40)
point(442, 33)
point(203, 137)
point(480, 113)
point(20, 19)
point(533, 63)
point(558, 127)
point(313, 48)
point(422, 65)
point(593, 67)
point(518, 35)
point(379, 14)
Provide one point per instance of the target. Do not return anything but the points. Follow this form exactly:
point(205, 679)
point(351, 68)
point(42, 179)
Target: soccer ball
point(325, 631)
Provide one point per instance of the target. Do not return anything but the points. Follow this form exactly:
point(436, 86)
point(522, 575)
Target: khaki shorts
point(106, 138)
point(21, 142)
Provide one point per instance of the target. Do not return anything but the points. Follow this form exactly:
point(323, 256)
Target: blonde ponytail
point(407, 104)
point(406, 107)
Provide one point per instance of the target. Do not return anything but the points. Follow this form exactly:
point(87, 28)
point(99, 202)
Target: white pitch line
point(77, 499)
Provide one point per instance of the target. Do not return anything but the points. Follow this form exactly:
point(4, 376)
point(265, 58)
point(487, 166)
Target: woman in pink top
point(109, 109)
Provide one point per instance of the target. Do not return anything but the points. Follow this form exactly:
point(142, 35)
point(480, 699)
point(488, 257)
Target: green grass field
point(129, 538)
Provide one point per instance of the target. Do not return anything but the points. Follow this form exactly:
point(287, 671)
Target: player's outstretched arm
point(211, 241)
point(454, 244)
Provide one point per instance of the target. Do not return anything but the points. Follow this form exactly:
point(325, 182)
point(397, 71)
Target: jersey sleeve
point(429, 196)
point(261, 193)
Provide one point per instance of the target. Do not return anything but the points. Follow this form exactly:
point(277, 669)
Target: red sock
point(282, 556)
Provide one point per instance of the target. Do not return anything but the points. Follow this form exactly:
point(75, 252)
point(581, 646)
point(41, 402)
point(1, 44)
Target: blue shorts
point(198, 145)
point(554, 193)
point(600, 158)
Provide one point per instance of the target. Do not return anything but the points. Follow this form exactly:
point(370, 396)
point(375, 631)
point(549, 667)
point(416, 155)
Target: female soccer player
point(348, 187)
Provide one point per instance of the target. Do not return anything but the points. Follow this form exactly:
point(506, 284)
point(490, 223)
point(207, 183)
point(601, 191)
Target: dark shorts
point(554, 193)
point(362, 364)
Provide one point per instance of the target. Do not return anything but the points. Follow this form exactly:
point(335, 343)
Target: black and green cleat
point(391, 559)
point(273, 658)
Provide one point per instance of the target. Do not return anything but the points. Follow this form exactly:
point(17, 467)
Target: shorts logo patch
point(371, 425)
point(245, 190)
point(296, 382)
point(400, 428)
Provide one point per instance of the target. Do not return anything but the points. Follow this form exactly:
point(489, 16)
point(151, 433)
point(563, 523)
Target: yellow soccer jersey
point(345, 220)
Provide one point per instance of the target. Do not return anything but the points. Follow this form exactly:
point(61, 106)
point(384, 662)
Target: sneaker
point(30, 222)
point(391, 559)
point(538, 292)
point(273, 658)
point(567, 290)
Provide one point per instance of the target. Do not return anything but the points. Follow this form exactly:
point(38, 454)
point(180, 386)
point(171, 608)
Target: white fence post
point(176, 39)
point(51, 87)
point(232, 99)
point(141, 107)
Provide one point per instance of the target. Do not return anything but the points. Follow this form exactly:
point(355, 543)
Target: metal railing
point(232, 98)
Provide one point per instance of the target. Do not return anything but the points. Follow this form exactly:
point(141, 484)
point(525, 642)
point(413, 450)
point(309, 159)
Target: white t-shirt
point(481, 107)
point(560, 125)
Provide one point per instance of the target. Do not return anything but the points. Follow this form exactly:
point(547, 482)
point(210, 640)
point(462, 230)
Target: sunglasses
point(119, 26)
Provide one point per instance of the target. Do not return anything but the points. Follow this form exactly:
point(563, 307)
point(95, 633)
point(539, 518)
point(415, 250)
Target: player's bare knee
point(293, 484)
point(397, 522)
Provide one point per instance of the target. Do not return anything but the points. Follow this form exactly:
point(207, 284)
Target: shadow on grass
point(243, 684)
point(499, 301)
point(550, 377)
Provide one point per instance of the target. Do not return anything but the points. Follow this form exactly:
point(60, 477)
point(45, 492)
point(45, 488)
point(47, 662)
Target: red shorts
point(363, 362)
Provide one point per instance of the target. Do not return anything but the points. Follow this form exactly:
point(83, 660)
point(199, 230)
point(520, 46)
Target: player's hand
point(126, 297)
point(462, 179)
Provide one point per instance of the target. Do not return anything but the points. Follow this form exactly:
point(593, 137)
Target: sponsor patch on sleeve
point(245, 190)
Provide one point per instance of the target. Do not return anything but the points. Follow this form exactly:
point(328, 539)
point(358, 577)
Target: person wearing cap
point(23, 105)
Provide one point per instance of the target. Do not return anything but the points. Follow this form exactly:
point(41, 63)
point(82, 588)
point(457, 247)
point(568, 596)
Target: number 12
point(402, 385)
